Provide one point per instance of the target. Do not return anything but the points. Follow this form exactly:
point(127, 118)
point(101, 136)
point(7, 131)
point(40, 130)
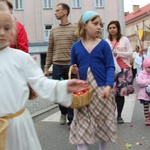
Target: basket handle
point(69, 73)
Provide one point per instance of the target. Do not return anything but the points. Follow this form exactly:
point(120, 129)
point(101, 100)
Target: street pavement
point(54, 136)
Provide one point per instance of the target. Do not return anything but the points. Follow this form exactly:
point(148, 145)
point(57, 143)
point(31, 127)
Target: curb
point(53, 106)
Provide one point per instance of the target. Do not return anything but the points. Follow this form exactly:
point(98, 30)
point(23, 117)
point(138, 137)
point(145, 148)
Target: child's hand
point(32, 94)
point(106, 92)
point(74, 69)
point(75, 85)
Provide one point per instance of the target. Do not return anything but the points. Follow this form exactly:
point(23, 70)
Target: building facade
point(139, 19)
point(38, 18)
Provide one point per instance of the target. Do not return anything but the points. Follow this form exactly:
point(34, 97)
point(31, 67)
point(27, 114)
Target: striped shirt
point(60, 43)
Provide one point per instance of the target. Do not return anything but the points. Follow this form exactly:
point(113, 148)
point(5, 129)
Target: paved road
point(54, 136)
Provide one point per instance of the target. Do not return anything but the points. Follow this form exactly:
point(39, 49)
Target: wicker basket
point(82, 98)
point(3, 129)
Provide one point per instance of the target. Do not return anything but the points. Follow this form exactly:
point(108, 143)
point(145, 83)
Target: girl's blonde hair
point(4, 8)
point(81, 32)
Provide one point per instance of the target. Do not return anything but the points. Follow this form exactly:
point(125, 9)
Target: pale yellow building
point(138, 19)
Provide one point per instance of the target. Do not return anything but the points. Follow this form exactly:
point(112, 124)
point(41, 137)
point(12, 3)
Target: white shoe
point(63, 119)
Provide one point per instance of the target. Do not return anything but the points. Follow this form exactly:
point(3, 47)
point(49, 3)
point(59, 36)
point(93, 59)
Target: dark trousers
point(120, 103)
point(60, 72)
point(134, 71)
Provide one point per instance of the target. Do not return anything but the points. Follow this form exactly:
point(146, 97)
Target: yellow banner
point(140, 32)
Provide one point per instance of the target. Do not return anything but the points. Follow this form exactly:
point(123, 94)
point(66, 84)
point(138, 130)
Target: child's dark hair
point(119, 35)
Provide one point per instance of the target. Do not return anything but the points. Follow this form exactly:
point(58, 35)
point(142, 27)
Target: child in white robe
point(139, 61)
point(17, 70)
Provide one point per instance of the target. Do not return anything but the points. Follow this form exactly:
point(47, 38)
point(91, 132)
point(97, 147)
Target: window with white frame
point(18, 4)
point(47, 4)
point(129, 31)
point(146, 22)
point(47, 32)
point(98, 3)
point(135, 28)
point(76, 3)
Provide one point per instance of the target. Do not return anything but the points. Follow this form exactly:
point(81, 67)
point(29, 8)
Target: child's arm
point(141, 81)
point(52, 90)
point(106, 92)
point(73, 56)
point(74, 69)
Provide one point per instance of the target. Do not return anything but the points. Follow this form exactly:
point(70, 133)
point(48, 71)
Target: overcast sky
point(128, 4)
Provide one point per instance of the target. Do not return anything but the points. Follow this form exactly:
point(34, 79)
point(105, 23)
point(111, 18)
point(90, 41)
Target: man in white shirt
point(139, 60)
point(134, 67)
point(148, 52)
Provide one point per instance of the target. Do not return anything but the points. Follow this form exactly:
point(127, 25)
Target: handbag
point(82, 98)
point(147, 89)
point(117, 67)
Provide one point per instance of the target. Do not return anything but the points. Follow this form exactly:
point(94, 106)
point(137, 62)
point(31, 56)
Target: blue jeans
point(61, 72)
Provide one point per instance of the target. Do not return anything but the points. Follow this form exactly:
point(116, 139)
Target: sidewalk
point(39, 106)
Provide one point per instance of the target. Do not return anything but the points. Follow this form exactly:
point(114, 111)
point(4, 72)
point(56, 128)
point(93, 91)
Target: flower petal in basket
point(81, 99)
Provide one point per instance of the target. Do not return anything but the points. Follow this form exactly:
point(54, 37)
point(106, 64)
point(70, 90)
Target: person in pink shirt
point(122, 51)
point(142, 80)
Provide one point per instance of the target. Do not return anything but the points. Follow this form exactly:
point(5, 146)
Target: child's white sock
point(82, 147)
point(102, 145)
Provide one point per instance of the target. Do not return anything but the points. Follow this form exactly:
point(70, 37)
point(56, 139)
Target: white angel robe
point(17, 69)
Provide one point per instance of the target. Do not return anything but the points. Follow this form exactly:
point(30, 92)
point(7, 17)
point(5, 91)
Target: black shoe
point(120, 120)
point(69, 123)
